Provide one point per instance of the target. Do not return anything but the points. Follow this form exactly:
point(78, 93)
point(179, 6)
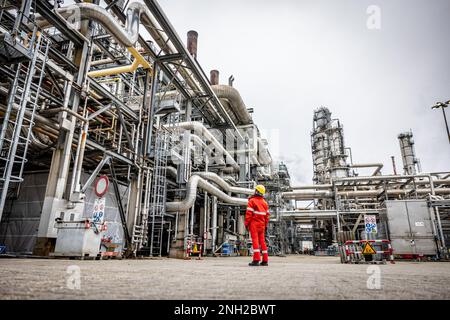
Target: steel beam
point(44, 8)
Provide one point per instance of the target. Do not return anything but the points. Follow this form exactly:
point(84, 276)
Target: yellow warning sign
point(368, 249)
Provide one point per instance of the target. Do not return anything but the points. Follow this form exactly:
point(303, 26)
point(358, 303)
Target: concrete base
point(177, 249)
point(177, 253)
point(292, 277)
point(44, 246)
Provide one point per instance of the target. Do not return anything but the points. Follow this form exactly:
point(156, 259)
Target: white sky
point(290, 57)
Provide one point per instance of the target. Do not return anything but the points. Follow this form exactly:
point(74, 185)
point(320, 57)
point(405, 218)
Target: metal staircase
point(18, 119)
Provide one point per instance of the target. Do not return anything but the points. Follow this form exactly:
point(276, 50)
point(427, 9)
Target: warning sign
point(370, 223)
point(368, 249)
point(99, 210)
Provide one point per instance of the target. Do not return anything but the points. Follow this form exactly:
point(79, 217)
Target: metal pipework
point(168, 41)
point(235, 101)
point(314, 186)
point(126, 37)
point(310, 195)
point(139, 60)
point(392, 192)
point(211, 176)
point(198, 127)
point(381, 178)
point(193, 184)
point(378, 167)
point(253, 141)
point(321, 213)
point(307, 195)
point(81, 11)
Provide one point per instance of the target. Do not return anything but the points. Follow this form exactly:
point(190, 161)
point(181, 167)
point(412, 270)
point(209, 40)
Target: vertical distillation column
point(319, 144)
point(337, 156)
point(410, 162)
point(328, 152)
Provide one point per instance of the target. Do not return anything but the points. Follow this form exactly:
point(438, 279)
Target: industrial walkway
point(292, 277)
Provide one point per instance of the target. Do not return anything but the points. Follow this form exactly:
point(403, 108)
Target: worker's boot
point(254, 263)
point(264, 264)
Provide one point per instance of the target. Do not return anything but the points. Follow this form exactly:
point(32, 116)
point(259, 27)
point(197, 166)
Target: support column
point(54, 203)
point(177, 250)
point(214, 224)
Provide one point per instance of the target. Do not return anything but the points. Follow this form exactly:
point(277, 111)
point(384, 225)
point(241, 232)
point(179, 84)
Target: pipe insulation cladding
point(203, 132)
point(193, 184)
point(235, 100)
point(211, 176)
point(81, 11)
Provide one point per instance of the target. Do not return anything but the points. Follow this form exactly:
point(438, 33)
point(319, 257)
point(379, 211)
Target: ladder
point(158, 196)
point(140, 230)
point(18, 119)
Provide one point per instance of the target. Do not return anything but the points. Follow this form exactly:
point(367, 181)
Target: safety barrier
point(193, 248)
point(352, 251)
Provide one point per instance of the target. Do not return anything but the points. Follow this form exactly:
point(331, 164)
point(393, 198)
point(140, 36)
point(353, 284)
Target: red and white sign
point(101, 186)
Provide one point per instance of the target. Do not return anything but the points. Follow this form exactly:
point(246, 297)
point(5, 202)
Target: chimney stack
point(214, 77)
point(192, 37)
point(231, 80)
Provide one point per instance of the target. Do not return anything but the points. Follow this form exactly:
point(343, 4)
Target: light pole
point(443, 105)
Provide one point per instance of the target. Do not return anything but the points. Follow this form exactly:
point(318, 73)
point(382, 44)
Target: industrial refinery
point(118, 150)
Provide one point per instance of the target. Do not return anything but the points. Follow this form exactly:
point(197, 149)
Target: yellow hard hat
point(261, 189)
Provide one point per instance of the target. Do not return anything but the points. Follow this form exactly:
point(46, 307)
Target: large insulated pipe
point(80, 11)
point(313, 186)
point(211, 176)
point(373, 193)
point(306, 195)
point(310, 195)
point(192, 39)
point(214, 77)
point(235, 100)
point(127, 37)
point(193, 184)
point(201, 130)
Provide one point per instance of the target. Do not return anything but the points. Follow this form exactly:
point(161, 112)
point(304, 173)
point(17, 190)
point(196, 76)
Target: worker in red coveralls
point(256, 220)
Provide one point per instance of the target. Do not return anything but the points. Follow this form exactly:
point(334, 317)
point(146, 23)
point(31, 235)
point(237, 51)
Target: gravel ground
point(292, 277)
